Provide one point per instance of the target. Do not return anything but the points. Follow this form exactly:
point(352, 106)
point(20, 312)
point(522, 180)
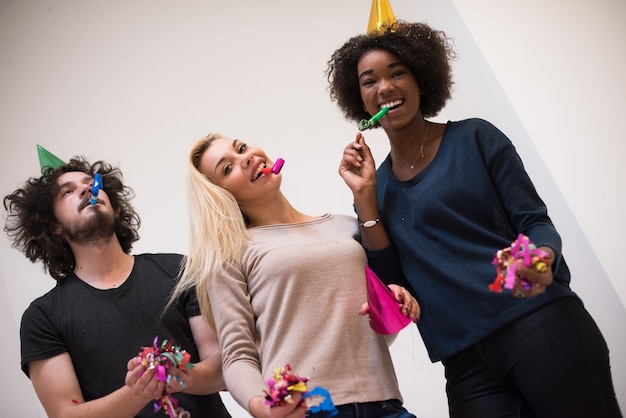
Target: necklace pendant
point(412, 167)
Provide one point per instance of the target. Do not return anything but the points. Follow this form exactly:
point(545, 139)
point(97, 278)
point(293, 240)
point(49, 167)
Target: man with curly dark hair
point(80, 340)
point(447, 197)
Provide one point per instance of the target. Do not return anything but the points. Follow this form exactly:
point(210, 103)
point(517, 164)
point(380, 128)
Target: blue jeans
point(383, 409)
point(551, 363)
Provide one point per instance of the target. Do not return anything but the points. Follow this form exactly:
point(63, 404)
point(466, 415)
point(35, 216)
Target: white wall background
point(136, 82)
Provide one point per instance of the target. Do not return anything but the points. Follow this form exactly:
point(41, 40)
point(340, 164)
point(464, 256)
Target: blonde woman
point(282, 287)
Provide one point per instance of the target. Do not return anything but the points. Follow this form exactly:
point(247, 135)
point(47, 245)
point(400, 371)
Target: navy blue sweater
point(447, 223)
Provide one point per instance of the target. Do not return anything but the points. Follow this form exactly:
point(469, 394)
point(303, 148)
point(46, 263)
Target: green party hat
point(48, 159)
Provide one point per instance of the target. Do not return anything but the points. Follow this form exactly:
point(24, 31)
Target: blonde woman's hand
point(296, 409)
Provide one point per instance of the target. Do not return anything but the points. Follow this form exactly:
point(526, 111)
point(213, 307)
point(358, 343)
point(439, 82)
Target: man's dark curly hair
point(425, 51)
point(30, 215)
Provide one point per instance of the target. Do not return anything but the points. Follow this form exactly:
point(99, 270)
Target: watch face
point(369, 224)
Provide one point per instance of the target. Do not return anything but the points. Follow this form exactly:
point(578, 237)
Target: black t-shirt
point(102, 329)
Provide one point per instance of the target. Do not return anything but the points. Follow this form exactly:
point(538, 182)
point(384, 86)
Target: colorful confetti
point(505, 261)
point(285, 383)
point(162, 357)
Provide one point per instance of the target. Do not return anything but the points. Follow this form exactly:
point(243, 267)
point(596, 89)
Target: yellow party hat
point(381, 16)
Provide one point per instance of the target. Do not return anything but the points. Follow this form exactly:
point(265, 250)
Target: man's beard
point(99, 227)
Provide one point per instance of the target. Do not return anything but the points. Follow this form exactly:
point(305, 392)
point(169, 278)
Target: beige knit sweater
point(298, 291)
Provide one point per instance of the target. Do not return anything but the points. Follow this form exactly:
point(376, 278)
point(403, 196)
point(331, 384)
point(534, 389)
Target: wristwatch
point(369, 224)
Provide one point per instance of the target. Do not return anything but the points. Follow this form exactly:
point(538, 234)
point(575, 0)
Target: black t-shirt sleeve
point(39, 337)
point(192, 308)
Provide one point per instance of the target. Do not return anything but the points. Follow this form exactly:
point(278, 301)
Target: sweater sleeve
point(386, 264)
point(235, 326)
point(526, 210)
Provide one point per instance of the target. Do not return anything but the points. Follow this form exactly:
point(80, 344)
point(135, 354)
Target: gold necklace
point(420, 154)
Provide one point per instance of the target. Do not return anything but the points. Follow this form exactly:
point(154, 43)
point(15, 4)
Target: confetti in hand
point(161, 358)
point(285, 383)
point(506, 259)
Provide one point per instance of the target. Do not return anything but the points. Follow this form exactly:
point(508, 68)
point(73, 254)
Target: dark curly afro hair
point(425, 51)
point(31, 216)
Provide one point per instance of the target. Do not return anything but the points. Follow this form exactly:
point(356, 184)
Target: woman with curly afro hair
point(445, 200)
